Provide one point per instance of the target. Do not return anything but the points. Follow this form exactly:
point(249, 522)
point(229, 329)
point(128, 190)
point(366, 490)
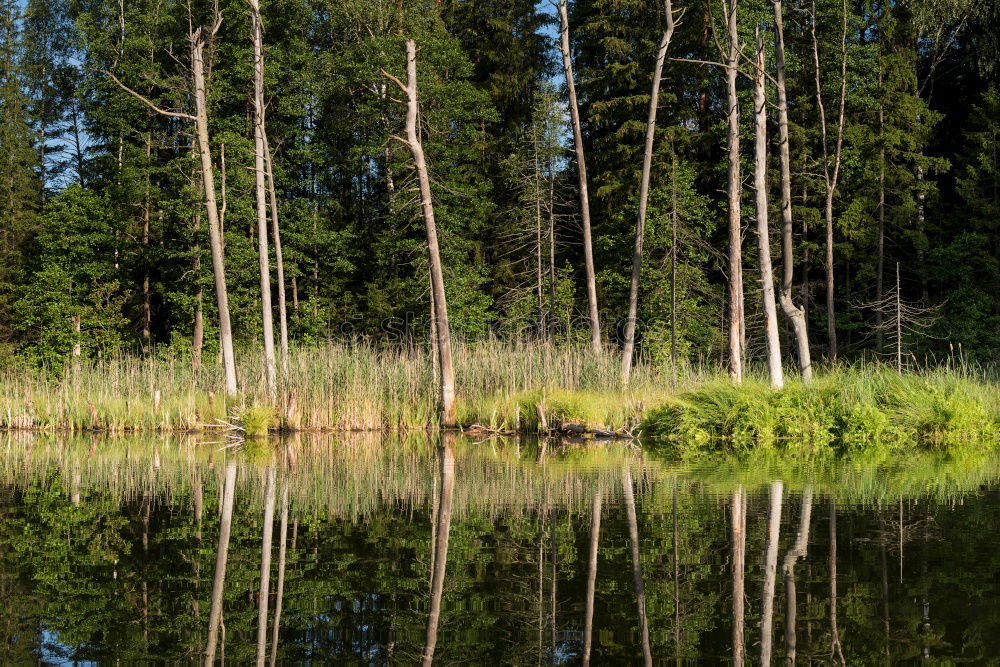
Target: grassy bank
point(511, 387)
point(337, 387)
point(847, 412)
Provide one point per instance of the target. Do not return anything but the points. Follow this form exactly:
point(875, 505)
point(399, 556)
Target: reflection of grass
point(356, 476)
point(867, 411)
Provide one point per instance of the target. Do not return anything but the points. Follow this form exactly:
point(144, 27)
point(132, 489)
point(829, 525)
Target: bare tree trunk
point(198, 335)
point(797, 551)
point(221, 557)
point(538, 240)
point(197, 40)
point(640, 225)
point(279, 260)
point(552, 251)
point(147, 310)
point(260, 194)
point(673, 266)
point(640, 593)
point(770, 573)
point(581, 166)
point(880, 271)
point(735, 186)
point(763, 234)
point(283, 538)
point(835, 649)
point(737, 528)
point(595, 541)
point(831, 173)
point(440, 547)
point(265, 567)
point(795, 314)
point(447, 371)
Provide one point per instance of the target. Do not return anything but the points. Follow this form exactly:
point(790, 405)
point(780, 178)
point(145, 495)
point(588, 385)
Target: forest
point(654, 180)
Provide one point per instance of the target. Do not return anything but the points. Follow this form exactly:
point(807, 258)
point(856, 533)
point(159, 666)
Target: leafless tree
point(581, 166)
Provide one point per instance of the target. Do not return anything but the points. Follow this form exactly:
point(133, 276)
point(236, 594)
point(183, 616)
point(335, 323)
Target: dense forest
point(864, 134)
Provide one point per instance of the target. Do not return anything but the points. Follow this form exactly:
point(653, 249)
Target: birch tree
point(831, 164)
point(763, 235)
point(197, 41)
point(794, 313)
point(581, 167)
point(440, 320)
point(735, 184)
point(260, 195)
point(640, 225)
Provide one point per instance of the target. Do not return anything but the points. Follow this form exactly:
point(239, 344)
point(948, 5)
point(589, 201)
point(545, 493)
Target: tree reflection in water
point(379, 557)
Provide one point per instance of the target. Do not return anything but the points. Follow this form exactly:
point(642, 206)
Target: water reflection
point(410, 550)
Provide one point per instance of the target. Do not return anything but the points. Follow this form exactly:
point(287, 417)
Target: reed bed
point(336, 387)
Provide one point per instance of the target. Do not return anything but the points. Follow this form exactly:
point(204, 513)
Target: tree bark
point(197, 40)
point(763, 235)
point(279, 260)
point(770, 573)
point(581, 167)
point(734, 187)
point(640, 593)
point(265, 567)
point(795, 314)
point(737, 528)
point(282, 539)
point(797, 551)
point(260, 194)
point(446, 368)
point(640, 225)
point(221, 557)
point(440, 546)
point(595, 542)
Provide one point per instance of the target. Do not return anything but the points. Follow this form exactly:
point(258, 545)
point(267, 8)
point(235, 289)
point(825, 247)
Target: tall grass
point(860, 410)
point(336, 387)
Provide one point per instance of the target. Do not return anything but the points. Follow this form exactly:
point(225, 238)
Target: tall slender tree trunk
point(552, 251)
point(735, 185)
point(640, 593)
point(763, 234)
point(640, 225)
point(595, 543)
point(440, 546)
point(260, 194)
point(794, 313)
point(738, 544)
point(221, 557)
point(440, 319)
point(831, 172)
point(836, 651)
point(197, 40)
point(673, 266)
point(770, 573)
point(265, 567)
point(198, 333)
point(282, 540)
point(581, 167)
point(797, 551)
point(279, 259)
point(147, 309)
point(538, 239)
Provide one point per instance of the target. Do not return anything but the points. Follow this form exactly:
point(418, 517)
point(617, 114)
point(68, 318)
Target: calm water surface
point(396, 550)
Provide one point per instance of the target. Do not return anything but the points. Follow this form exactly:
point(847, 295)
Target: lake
point(398, 549)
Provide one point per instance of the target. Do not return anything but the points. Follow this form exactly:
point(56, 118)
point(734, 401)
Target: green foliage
point(845, 413)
